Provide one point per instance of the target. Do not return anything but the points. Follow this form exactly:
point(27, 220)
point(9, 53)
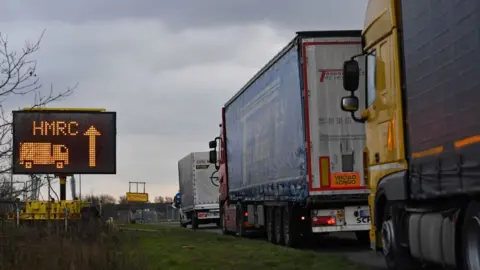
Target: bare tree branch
point(18, 78)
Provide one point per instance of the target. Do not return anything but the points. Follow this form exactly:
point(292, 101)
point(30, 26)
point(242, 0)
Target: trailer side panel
point(185, 180)
point(441, 45)
point(266, 135)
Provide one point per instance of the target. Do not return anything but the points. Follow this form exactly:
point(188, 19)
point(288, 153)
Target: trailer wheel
point(279, 226)
point(271, 225)
point(183, 224)
point(397, 257)
point(194, 221)
point(471, 237)
point(223, 223)
point(291, 233)
point(240, 231)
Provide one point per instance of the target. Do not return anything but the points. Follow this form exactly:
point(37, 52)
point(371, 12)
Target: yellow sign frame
point(66, 109)
point(136, 197)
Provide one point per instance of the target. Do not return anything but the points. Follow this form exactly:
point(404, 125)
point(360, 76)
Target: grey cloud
point(159, 81)
point(166, 67)
point(297, 15)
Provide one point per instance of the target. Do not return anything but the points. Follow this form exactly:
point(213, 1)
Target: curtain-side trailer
point(290, 162)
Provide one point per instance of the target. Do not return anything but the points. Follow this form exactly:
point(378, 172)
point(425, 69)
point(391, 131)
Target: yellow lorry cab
point(422, 125)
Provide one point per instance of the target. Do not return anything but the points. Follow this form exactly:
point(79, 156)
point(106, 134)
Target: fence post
point(66, 218)
point(18, 214)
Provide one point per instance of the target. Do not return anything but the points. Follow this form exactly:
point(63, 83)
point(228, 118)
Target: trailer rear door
point(205, 190)
point(334, 141)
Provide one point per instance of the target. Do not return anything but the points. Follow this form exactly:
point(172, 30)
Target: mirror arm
point(356, 55)
point(356, 119)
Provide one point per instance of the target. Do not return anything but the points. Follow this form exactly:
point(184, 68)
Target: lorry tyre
point(397, 257)
point(240, 228)
point(363, 237)
point(291, 233)
point(182, 223)
point(223, 223)
point(271, 225)
point(279, 226)
point(471, 237)
point(194, 221)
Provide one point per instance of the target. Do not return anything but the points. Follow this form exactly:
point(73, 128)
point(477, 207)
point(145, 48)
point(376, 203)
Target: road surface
point(339, 243)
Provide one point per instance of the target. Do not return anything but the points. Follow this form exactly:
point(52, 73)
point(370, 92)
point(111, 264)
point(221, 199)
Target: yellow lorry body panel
point(385, 151)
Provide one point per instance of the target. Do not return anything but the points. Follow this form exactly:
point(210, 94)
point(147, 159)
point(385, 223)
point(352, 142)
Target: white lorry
point(199, 193)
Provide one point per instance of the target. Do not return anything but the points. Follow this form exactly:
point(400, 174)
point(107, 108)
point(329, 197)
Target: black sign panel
point(64, 142)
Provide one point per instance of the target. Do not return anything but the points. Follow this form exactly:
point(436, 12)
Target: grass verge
point(92, 247)
point(177, 249)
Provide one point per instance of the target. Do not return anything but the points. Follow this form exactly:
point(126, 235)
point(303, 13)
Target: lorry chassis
point(429, 234)
point(198, 217)
point(283, 223)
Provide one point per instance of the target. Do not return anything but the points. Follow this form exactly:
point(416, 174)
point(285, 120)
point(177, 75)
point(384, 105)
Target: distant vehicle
point(291, 161)
point(42, 153)
point(199, 197)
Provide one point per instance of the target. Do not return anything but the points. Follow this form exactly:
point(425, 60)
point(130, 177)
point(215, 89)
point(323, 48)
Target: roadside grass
point(177, 248)
point(89, 247)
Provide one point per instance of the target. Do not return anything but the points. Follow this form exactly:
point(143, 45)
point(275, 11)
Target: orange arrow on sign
point(92, 132)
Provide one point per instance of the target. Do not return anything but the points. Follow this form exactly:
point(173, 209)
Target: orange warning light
point(41, 153)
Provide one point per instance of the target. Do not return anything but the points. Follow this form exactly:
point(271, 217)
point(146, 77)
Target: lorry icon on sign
point(42, 153)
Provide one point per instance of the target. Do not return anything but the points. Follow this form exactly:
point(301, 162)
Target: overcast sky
point(165, 67)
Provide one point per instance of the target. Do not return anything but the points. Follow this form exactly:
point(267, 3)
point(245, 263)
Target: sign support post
point(64, 141)
point(63, 187)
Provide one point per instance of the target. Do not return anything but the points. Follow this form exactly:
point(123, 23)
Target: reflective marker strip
point(387, 166)
point(324, 167)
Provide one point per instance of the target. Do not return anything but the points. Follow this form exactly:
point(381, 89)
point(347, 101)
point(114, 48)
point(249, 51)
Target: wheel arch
point(391, 187)
point(379, 209)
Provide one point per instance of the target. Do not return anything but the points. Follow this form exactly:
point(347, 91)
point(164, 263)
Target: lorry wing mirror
point(351, 75)
point(213, 156)
point(212, 144)
point(350, 104)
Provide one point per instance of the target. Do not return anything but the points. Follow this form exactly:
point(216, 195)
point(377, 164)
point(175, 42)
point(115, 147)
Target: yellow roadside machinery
point(48, 210)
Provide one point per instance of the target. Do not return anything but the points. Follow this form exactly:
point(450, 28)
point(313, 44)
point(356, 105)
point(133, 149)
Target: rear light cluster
point(328, 217)
point(324, 220)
